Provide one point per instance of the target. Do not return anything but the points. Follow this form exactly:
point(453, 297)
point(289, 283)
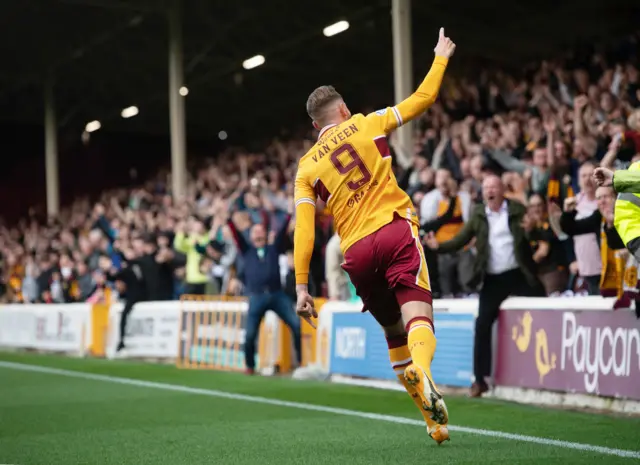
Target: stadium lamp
point(129, 112)
point(93, 126)
point(335, 28)
point(253, 62)
point(184, 91)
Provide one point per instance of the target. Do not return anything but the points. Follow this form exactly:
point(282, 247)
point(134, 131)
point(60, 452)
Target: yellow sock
point(422, 342)
point(400, 358)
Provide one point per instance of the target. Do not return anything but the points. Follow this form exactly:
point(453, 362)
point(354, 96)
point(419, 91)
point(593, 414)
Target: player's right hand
point(305, 307)
point(445, 46)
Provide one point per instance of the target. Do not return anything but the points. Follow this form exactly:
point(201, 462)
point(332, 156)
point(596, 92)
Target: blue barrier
point(359, 349)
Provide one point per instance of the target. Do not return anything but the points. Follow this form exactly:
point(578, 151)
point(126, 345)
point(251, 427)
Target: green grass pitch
point(163, 415)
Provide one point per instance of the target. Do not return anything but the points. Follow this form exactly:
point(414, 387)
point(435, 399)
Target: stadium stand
point(543, 130)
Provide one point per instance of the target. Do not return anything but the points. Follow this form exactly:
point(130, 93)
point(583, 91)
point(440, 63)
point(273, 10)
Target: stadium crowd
point(543, 130)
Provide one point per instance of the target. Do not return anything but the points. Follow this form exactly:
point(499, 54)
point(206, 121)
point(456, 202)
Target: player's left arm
point(426, 94)
point(304, 232)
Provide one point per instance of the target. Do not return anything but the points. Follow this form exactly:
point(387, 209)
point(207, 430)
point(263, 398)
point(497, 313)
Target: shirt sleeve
point(625, 181)
point(304, 232)
point(391, 118)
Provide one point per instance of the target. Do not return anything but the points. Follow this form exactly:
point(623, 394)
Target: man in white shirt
point(504, 264)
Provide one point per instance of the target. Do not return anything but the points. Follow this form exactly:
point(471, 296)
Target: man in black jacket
point(130, 284)
point(158, 265)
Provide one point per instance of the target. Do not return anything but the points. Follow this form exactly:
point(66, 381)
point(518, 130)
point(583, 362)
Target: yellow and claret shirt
point(349, 168)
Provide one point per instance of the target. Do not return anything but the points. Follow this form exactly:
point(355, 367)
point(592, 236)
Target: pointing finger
point(308, 320)
point(441, 32)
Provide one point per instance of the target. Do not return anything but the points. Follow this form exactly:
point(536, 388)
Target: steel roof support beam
point(402, 72)
point(51, 149)
point(176, 104)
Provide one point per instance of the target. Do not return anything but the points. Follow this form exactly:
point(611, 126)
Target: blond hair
point(319, 100)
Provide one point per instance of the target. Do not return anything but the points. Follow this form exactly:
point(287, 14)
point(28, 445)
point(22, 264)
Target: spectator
point(86, 284)
point(587, 251)
point(548, 251)
point(157, 266)
point(454, 269)
point(504, 265)
point(129, 282)
point(29, 291)
point(195, 279)
point(263, 285)
point(599, 224)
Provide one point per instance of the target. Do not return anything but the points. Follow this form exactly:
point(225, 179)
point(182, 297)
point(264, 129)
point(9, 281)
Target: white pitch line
point(321, 408)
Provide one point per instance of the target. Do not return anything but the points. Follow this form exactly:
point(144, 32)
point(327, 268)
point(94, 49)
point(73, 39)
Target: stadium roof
point(109, 54)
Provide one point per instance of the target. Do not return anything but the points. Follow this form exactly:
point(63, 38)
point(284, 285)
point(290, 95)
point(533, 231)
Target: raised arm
point(424, 96)
point(181, 240)
point(103, 225)
point(281, 235)
point(550, 127)
point(241, 242)
point(612, 152)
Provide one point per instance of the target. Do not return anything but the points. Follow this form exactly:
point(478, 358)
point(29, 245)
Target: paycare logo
point(599, 351)
point(521, 335)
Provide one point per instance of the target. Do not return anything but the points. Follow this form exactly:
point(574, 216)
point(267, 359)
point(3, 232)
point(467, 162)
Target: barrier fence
point(577, 345)
point(211, 333)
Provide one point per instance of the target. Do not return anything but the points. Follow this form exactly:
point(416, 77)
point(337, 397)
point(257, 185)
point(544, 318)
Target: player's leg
point(418, 382)
point(417, 315)
point(400, 359)
point(407, 274)
point(370, 281)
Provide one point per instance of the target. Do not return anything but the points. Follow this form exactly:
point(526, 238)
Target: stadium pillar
point(403, 71)
point(176, 103)
point(51, 150)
